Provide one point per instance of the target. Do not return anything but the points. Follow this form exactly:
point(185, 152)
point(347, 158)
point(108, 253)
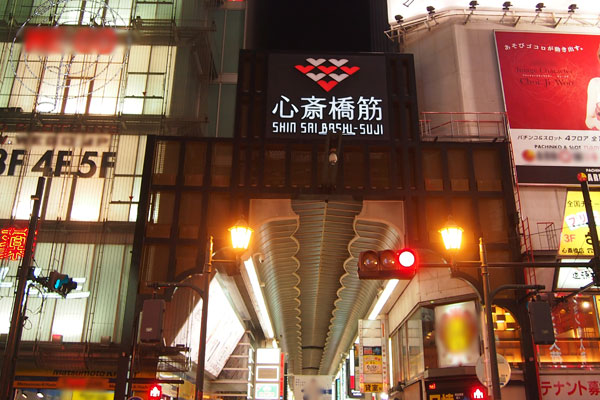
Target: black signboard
point(310, 95)
point(456, 389)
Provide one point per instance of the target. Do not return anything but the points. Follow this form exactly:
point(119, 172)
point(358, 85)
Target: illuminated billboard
point(574, 237)
point(551, 85)
point(310, 95)
point(457, 334)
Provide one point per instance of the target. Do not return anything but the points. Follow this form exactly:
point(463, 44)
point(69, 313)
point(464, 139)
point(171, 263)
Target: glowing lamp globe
point(240, 235)
point(451, 235)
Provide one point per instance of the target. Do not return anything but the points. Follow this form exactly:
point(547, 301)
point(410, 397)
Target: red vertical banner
point(281, 374)
point(12, 243)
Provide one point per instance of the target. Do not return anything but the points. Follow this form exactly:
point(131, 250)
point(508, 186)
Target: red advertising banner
point(551, 85)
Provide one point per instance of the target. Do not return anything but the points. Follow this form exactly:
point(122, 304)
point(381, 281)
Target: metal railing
point(547, 236)
point(463, 126)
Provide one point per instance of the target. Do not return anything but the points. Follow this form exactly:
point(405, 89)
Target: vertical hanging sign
point(372, 360)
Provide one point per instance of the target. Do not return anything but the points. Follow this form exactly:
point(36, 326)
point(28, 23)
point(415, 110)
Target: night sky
point(313, 25)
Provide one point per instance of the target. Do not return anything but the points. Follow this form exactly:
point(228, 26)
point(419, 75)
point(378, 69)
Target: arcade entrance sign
point(310, 95)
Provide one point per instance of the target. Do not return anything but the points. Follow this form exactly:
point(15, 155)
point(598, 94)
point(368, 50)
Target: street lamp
point(240, 240)
point(452, 237)
point(240, 235)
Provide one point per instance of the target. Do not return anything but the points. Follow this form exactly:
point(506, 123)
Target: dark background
point(319, 25)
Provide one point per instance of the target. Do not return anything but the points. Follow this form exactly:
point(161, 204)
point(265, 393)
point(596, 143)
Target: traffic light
point(540, 317)
point(387, 264)
point(155, 392)
point(60, 283)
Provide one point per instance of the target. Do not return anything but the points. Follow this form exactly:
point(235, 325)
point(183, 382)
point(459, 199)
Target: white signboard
point(417, 8)
point(570, 278)
point(504, 370)
point(312, 387)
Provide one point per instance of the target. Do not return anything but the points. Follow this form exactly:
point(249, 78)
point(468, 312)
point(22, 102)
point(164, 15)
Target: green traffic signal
point(60, 283)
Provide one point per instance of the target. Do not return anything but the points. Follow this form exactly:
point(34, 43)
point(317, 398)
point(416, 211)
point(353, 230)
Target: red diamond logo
point(327, 73)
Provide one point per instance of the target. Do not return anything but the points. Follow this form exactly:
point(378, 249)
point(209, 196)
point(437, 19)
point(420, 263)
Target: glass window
point(226, 111)
point(233, 39)
point(274, 166)
point(221, 164)
point(379, 164)
point(195, 160)
point(429, 347)
point(301, 168)
point(508, 334)
point(576, 331)
point(487, 170)
point(414, 342)
point(80, 83)
point(458, 169)
point(166, 163)
point(190, 214)
point(432, 169)
point(354, 168)
point(161, 214)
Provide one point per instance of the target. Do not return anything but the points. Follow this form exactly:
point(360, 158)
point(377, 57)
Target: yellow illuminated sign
point(574, 237)
point(372, 388)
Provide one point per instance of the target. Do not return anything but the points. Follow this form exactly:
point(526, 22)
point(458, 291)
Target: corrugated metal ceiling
point(309, 269)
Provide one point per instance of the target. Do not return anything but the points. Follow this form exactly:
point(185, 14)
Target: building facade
point(83, 84)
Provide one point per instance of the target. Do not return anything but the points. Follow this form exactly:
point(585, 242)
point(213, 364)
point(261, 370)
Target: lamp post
point(240, 240)
point(452, 237)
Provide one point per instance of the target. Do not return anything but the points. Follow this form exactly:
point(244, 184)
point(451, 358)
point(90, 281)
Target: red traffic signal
point(387, 264)
point(155, 392)
point(478, 393)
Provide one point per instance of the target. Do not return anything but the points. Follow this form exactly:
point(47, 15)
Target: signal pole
point(16, 323)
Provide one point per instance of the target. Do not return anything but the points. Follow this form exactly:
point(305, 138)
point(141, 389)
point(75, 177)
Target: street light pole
point(489, 323)
point(199, 392)
point(16, 323)
point(240, 240)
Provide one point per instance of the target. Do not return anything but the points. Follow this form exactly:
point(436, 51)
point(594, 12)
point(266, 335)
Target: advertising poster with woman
point(551, 85)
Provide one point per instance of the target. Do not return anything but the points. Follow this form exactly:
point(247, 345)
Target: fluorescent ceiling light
point(260, 299)
point(389, 288)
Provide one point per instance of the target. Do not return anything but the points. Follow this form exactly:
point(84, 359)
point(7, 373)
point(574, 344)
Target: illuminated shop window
point(508, 334)
point(576, 331)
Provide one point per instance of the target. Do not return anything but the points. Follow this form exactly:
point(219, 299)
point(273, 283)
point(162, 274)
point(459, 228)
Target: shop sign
point(12, 243)
point(570, 278)
point(267, 391)
point(551, 84)
point(569, 387)
point(574, 237)
point(71, 379)
point(372, 365)
point(310, 95)
point(465, 388)
point(56, 155)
